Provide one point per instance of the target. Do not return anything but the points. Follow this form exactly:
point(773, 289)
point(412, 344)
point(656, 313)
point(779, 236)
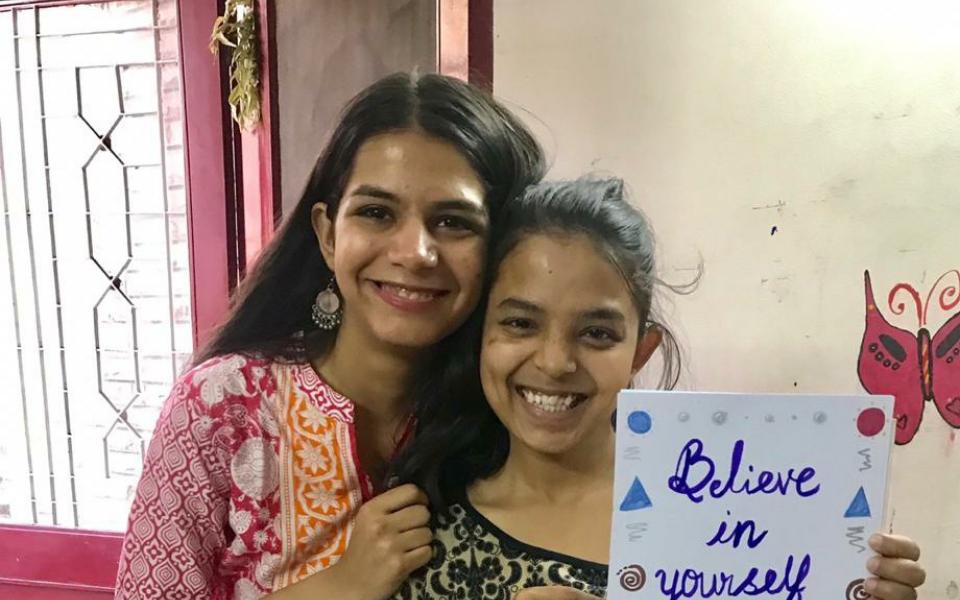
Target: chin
point(414, 338)
point(419, 332)
point(551, 444)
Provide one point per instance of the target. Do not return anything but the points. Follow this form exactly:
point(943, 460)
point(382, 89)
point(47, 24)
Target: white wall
point(327, 51)
point(836, 122)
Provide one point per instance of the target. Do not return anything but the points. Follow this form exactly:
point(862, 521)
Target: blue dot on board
point(639, 421)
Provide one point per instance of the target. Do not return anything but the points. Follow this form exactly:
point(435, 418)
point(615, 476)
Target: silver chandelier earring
point(327, 313)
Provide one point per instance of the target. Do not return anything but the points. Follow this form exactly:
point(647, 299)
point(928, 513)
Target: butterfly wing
point(890, 365)
point(945, 352)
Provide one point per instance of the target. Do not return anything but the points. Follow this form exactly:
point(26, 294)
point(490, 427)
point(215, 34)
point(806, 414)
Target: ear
point(323, 227)
point(646, 346)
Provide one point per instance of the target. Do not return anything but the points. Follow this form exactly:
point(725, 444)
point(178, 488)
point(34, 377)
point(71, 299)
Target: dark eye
point(374, 212)
point(455, 224)
point(452, 223)
point(600, 335)
point(518, 324)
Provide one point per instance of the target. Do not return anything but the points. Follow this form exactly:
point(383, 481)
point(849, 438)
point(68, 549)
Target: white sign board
point(739, 496)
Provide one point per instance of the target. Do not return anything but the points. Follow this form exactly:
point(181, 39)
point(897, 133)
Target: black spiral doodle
point(855, 590)
point(632, 578)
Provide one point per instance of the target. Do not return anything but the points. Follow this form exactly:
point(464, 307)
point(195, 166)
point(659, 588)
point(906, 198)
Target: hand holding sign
point(723, 496)
point(896, 569)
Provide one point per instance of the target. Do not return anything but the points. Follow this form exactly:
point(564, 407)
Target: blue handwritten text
point(690, 583)
point(746, 528)
point(766, 482)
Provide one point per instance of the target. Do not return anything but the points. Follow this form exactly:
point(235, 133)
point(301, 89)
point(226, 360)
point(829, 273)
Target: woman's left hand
point(897, 573)
point(553, 592)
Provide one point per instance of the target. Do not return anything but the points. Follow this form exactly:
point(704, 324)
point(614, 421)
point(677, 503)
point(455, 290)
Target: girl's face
point(408, 241)
point(560, 341)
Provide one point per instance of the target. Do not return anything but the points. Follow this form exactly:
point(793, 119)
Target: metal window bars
point(91, 177)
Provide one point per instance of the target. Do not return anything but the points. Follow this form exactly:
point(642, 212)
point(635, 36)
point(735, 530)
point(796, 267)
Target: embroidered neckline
point(321, 394)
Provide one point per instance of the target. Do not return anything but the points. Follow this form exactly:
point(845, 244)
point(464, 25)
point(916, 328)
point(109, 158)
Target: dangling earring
point(326, 308)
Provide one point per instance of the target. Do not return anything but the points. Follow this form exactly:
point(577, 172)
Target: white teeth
point(549, 402)
point(410, 294)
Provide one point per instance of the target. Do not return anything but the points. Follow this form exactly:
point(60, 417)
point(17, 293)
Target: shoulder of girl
point(218, 383)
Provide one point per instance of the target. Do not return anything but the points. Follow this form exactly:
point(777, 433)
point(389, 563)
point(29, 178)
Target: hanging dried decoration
point(237, 29)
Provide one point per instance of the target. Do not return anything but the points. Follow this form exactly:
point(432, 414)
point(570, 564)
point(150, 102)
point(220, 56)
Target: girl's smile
point(408, 297)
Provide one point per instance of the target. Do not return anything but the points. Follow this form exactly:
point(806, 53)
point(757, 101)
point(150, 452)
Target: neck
point(557, 478)
point(376, 377)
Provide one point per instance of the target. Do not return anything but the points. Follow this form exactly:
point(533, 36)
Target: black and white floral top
point(475, 560)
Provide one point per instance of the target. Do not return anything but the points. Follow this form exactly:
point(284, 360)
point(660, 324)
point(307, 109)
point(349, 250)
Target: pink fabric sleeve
point(178, 521)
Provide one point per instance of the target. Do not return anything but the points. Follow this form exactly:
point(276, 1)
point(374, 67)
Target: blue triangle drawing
point(859, 507)
point(636, 498)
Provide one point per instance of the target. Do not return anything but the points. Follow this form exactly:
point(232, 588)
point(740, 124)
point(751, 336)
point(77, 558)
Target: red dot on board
point(870, 422)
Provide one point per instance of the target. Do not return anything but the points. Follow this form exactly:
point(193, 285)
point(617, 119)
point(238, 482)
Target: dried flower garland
point(237, 29)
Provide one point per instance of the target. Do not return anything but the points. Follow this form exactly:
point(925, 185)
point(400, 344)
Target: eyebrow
point(520, 304)
point(457, 204)
point(598, 314)
point(463, 206)
point(604, 314)
point(373, 191)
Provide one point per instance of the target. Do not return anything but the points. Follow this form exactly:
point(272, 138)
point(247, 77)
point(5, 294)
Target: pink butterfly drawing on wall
point(913, 367)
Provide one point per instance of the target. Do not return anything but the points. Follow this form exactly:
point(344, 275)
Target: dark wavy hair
point(459, 439)
point(273, 305)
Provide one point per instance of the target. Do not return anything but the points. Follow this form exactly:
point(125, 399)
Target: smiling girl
point(269, 454)
point(518, 456)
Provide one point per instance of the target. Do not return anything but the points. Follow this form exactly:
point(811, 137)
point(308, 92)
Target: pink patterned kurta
point(251, 483)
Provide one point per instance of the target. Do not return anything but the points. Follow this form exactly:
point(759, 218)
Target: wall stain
point(842, 189)
point(906, 112)
point(779, 206)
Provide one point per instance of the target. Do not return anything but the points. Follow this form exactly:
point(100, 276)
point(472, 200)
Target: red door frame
point(465, 40)
point(260, 150)
point(209, 198)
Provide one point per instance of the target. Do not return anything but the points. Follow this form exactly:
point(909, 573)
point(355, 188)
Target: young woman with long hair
point(270, 453)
